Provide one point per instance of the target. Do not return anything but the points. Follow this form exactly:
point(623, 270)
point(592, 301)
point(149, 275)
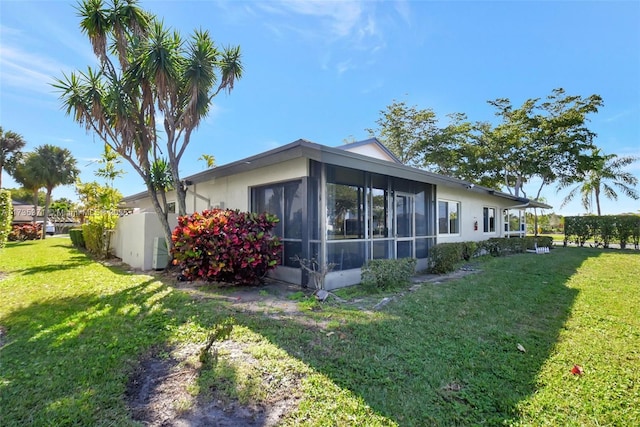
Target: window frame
point(486, 219)
point(458, 221)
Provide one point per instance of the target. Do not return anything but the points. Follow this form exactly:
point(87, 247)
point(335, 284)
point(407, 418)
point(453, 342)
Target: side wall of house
point(133, 240)
point(233, 192)
point(472, 205)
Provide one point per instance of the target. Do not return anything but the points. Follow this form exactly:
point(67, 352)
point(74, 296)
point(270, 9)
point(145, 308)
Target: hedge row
point(6, 215)
point(77, 239)
point(620, 229)
point(444, 257)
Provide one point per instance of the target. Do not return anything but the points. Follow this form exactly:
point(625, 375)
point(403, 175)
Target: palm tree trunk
point(597, 192)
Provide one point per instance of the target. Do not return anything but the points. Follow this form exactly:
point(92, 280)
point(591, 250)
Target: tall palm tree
point(58, 167)
point(604, 174)
point(11, 145)
point(146, 71)
point(28, 173)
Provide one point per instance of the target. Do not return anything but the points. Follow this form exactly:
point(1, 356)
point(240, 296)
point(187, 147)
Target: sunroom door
point(404, 225)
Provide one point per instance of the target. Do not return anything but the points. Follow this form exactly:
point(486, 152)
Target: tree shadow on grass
point(448, 354)
point(445, 355)
point(63, 360)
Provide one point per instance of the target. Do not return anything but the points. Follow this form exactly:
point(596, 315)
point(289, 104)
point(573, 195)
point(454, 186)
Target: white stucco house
point(342, 205)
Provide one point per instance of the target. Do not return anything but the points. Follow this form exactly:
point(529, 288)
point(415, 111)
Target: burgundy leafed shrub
point(226, 246)
point(25, 232)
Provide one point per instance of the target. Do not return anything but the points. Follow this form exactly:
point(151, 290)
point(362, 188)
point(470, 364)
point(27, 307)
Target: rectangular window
point(448, 217)
point(489, 220)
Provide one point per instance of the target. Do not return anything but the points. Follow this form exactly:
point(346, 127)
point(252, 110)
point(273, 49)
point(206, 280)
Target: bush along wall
point(383, 274)
point(77, 239)
point(445, 257)
point(604, 230)
point(226, 246)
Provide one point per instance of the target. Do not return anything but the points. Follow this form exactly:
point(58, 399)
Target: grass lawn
point(72, 331)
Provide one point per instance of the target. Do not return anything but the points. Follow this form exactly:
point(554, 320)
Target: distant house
point(23, 213)
point(342, 205)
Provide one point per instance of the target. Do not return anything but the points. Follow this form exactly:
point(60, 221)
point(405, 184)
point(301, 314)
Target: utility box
point(160, 256)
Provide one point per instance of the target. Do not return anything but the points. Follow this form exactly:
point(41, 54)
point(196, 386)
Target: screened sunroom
point(344, 217)
point(341, 206)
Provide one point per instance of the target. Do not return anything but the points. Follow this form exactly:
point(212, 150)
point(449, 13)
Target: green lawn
point(446, 354)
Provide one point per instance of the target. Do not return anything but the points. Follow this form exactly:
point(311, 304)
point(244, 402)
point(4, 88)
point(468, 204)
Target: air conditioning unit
point(160, 256)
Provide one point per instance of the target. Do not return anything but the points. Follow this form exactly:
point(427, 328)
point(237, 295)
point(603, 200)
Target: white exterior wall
point(471, 210)
point(232, 192)
point(133, 239)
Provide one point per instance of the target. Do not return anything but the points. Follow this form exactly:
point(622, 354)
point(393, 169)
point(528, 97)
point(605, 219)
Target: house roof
point(338, 156)
point(372, 142)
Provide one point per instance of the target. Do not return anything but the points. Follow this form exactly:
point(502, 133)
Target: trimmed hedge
point(620, 229)
point(383, 274)
point(77, 239)
point(6, 216)
point(444, 257)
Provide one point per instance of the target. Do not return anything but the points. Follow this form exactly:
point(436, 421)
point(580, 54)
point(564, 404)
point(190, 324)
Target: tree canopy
point(546, 139)
point(11, 145)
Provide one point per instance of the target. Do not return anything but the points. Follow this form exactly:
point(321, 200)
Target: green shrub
point(532, 242)
point(607, 229)
point(226, 246)
point(6, 216)
point(77, 239)
point(468, 250)
point(383, 274)
point(444, 257)
point(22, 232)
point(96, 233)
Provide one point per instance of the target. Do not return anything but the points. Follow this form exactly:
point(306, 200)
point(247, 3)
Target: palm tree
point(11, 144)
point(58, 167)
point(146, 71)
point(603, 175)
point(28, 173)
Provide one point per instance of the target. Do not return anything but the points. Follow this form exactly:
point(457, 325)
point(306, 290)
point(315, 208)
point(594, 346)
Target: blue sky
point(323, 70)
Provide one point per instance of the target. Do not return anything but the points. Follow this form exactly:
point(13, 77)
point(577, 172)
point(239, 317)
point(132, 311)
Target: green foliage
point(221, 332)
point(25, 195)
point(608, 229)
point(383, 274)
point(77, 239)
point(226, 246)
point(600, 174)
point(441, 355)
point(6, 215)
point(444, 257)
point(96, 233)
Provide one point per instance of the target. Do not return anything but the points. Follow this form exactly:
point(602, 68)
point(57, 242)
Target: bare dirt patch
point(158, 393)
